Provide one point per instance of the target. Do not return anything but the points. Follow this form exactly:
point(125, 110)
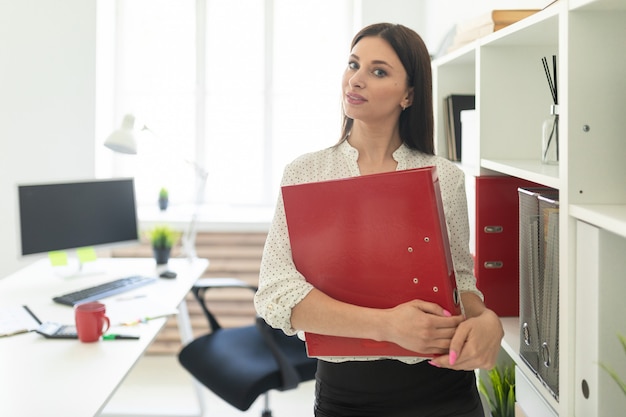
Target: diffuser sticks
point(550, 128)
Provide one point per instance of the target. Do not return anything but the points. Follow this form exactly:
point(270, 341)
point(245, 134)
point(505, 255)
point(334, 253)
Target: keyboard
point(107, 289)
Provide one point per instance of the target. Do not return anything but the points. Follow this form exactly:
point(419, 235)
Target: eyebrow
point(375, 62)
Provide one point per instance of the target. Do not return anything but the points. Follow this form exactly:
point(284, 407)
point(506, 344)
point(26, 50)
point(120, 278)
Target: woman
point(387, 126)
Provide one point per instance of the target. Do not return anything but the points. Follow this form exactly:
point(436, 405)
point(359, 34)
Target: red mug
point(91, 321)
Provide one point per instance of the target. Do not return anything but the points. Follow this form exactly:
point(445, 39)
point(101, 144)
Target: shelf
point(510, 344)
point(209, 217)
point(465, 55)
point(538, 29)
point(531, 170)
point(610, 217)
point(504, 71)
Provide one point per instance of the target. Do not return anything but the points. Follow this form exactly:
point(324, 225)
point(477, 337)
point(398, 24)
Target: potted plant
point(501, 394)
point(162, 239)
point(163, 198)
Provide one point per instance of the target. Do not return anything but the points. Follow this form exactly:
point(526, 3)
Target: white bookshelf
point(505, 73)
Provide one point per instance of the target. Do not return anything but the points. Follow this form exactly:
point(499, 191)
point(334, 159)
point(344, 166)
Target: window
point(241, 87)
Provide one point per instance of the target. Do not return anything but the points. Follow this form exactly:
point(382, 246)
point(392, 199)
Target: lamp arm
point(123, 140)
point(189, 237)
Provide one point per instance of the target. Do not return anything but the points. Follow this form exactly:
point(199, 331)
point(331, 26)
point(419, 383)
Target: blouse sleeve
point(455, 208)
point(281, 286)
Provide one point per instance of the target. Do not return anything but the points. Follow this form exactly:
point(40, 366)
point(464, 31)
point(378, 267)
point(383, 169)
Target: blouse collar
point(400, 155)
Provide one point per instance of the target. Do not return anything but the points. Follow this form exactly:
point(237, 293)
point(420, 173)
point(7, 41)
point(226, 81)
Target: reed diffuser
point(550, 127)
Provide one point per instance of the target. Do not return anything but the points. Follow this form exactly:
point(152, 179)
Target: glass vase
point(550, 137)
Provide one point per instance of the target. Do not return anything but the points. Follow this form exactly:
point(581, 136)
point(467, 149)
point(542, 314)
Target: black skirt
point(390, 388)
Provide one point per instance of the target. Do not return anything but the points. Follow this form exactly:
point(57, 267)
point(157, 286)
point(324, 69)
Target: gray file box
point(539, 283)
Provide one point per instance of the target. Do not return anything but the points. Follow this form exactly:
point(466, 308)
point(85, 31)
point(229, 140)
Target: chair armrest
point(290, 376)
point(208, 283)
point(201, 286)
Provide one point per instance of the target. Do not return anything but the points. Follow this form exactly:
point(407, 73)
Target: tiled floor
point(158, 386)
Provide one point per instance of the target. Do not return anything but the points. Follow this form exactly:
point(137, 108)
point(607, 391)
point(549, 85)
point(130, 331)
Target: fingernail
point(447, 313)
point(452, 355)
point(436, 365)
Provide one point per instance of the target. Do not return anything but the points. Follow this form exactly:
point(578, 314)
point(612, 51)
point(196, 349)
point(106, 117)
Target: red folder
point(497, 242)
point(374, 241)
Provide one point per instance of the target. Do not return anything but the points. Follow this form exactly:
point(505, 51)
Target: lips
point(354, 98)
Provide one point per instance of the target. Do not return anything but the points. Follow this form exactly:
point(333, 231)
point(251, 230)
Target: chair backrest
point(239, 364)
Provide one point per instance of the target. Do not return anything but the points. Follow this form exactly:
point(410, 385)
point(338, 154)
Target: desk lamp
point(123, 140)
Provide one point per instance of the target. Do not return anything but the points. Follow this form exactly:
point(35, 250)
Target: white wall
point(444, 14)
point(433, 19)
point(47, 102)
point(405, 12)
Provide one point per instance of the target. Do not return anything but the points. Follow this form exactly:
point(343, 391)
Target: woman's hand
point(476, 342)
point(422, 327)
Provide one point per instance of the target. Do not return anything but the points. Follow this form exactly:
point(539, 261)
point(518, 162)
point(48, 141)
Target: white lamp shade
point(123, 140)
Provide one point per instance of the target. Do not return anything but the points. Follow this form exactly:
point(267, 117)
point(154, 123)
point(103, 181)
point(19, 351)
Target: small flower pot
point(161, 255)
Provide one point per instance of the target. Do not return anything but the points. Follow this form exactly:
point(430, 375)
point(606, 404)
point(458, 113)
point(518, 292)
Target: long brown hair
point(416, 122)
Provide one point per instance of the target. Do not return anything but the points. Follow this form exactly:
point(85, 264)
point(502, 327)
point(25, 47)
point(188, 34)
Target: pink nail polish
point(447, 313)
point(452, 355)
point(436, 365)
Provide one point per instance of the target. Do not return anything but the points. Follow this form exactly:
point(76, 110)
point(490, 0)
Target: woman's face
point(375, 84)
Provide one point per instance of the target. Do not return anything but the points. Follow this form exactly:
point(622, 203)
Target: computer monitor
point(62, 216)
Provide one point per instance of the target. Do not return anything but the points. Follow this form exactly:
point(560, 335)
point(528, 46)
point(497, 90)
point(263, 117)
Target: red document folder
point(497, 242)
point(375, 241)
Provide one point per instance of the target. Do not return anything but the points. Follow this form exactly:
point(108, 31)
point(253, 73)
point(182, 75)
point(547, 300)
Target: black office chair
point(240, 364)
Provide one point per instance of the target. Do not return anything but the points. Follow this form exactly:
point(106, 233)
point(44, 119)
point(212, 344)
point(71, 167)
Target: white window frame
point(110, 114)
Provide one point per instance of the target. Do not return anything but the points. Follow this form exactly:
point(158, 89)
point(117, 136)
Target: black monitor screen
point(74, 215)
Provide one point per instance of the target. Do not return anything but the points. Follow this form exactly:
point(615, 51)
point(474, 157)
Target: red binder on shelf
point(375, 241)
point(497, 242)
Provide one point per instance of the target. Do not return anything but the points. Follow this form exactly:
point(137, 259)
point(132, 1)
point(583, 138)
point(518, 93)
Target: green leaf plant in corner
point(501, 396)
point(611, 372)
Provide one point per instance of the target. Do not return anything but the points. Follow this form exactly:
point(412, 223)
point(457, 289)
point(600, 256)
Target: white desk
point(42, 377)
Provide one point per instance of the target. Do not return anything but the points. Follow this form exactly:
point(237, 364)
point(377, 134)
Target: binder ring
point(545, 354)
point(526, 333)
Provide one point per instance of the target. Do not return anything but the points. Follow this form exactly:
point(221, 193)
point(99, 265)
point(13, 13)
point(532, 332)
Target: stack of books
point(487, 23)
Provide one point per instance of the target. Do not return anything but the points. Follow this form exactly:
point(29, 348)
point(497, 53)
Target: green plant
point(163, 237)
point(501, 396)
point(611, 372)
point(163, 193)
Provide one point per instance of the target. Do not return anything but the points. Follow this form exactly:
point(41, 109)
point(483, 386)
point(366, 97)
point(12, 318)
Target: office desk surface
point(42, 377)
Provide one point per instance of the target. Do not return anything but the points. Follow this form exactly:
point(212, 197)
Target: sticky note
point(86, 254)
point(57, 258)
